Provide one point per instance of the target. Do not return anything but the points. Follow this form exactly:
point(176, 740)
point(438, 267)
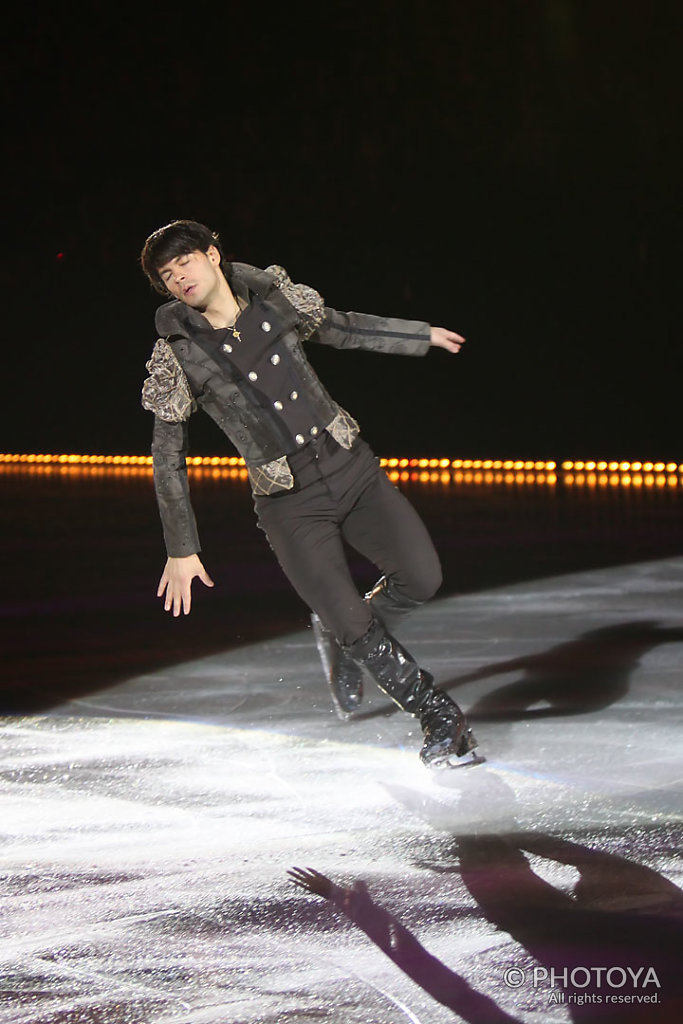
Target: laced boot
point(448, 739)
point(388, 605)
point(344, 676)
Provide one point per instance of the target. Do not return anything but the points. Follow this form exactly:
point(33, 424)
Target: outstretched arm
point(384, 334)
point(360, 330)
point(374, 333)
point(176, 582)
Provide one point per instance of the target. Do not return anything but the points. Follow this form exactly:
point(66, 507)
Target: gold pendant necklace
point(233, 326)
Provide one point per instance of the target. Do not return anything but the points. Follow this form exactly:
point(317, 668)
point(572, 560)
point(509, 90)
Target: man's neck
point(222, 308)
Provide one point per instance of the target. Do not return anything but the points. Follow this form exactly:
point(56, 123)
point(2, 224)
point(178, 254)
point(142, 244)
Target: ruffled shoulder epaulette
point(166, 391)
point(308, 303)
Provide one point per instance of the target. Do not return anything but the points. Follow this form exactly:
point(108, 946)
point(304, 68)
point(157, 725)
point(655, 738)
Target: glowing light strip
point(623, 467)
point(591, 473)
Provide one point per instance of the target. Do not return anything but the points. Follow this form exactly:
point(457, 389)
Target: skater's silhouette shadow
point(621, 917)
point(579, 676)
point(401, 946)
point(617, 913)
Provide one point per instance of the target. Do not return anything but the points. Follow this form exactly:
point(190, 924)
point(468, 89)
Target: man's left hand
point(449, 340)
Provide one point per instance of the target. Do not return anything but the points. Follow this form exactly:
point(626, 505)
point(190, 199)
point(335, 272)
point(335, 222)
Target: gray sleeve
point(375, 333)
point(169, 451)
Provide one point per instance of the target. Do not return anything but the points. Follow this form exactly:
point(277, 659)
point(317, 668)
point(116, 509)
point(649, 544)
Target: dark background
point(509, 169)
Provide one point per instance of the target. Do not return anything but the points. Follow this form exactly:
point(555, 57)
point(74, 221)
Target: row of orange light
point(443, 477)
point(486, 464)
point(233, 460)
point(623, 479)
point(422, 470)
point(392, 463)
point(623, 467)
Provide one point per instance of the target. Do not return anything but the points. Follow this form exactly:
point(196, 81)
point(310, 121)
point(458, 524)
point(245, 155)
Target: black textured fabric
point(349, 500)
point(244, 413)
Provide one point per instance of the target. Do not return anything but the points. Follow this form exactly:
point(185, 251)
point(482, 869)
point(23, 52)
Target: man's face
point(193, 277)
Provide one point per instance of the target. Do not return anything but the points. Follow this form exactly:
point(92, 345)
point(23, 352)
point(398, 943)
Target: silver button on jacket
point(265, 326)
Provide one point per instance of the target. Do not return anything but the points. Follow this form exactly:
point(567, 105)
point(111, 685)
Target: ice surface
point(148, 829)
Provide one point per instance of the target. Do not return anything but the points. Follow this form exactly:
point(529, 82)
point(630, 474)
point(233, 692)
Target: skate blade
point(344, 713)
point(341, 713)
point(453, 760)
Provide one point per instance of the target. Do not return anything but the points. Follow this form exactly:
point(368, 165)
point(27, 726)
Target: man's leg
point(303, 531)
point(384, 527)
point(344, 676)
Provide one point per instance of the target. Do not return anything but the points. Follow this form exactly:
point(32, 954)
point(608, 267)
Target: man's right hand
point(176, 582)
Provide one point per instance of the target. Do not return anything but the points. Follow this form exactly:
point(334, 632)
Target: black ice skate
point(344, 676)
point(448, 739)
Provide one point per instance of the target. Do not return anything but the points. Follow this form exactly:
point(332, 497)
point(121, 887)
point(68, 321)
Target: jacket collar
point(178, 318)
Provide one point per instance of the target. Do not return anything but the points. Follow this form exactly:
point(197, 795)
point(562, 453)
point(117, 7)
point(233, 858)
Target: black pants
point(346, 496)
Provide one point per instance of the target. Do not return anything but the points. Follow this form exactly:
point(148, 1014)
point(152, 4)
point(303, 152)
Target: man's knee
point(417, 585)
point(423, 581)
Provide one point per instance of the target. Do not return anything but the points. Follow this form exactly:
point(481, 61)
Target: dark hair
point(175, 239)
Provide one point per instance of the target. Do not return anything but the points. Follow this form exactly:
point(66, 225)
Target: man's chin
point(193, 300)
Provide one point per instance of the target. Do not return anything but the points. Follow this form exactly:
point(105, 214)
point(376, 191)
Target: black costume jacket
point(186, 374)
